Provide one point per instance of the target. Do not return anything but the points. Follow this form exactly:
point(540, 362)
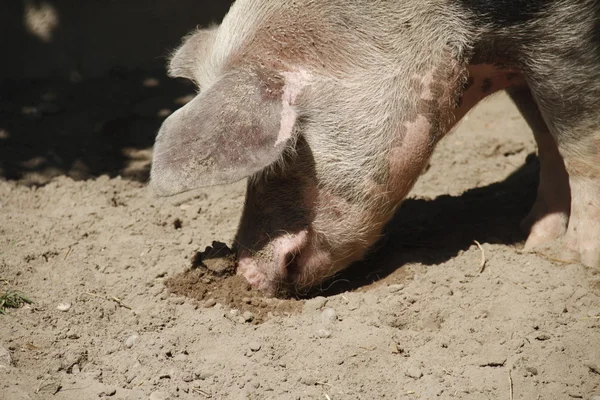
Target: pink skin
point(287, 249)
point(284, 245)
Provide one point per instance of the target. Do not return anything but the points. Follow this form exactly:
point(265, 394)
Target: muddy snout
point(288, 264)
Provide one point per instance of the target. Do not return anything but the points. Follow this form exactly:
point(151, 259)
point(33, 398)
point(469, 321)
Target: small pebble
point(131, 340)
point(107, 391)
point(159, 396)
point(324, 333)
point(532, 370)
point(542, 337)
point(64, 307)
point(210, 303)
point(248, 316)
point(204, 373)
point(308, 381)
point(395, 288)
point(413, 372)
point(5, 357)
point(328, 316)
point(255, 346)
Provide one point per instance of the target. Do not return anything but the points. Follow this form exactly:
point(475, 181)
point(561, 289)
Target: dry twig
point(510, 382)
point(483, 260)
point(115, 299)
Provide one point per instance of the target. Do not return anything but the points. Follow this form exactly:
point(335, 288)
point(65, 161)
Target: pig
point(332, 109)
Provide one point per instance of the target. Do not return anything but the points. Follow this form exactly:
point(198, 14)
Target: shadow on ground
point(433, 231)
point(86, 129)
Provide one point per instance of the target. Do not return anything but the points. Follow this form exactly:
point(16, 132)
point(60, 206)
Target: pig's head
point(328, 157)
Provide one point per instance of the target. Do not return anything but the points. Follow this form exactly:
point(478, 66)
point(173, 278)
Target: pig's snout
point(285, 265)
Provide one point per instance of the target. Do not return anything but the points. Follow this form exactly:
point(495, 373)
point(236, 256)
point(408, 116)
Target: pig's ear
point(232, 130)
point(194, 48)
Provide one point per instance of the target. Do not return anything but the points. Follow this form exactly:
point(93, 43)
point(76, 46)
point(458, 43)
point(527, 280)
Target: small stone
point(64, 307)
point(210, 303)
point(413, 372)
point(255, 346)
point(542, 337)
point(308, 381)
point(328, 316)
point(314, 304)
point(204, 373)
point(5, 357)
point(75, 369)
point(158, 395)
point(248, 316)
point(180, 357)
point(324, 333)
point(131, 340)
point(107, 391)
point(395, 288)
point(532, 370)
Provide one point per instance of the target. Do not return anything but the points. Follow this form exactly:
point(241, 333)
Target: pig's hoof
point(583, 249)
point(544, 228)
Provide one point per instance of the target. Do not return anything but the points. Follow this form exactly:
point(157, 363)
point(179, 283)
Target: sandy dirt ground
point(120, 310)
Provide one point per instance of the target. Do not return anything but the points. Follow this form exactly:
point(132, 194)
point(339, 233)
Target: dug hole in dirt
point(212, 279)
point(123, 307)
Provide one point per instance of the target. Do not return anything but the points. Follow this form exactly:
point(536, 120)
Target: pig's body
point(333, 109)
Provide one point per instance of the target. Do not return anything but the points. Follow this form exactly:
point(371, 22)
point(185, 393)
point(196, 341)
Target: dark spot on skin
point(486, 86)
